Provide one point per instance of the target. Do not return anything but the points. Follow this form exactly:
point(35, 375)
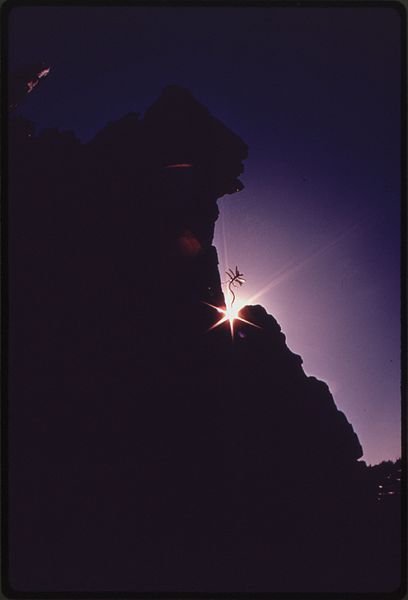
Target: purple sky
point(315, 93)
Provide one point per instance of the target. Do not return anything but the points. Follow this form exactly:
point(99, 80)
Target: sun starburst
point(230, 313)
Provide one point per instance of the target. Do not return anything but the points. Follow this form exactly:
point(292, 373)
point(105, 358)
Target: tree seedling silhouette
point(234, 279)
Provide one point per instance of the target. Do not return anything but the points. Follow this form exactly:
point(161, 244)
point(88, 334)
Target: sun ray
point(293, 266)
point(224, 239)
point(230, 313)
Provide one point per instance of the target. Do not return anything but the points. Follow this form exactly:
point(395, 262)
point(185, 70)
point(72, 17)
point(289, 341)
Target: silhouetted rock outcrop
point(159, 456)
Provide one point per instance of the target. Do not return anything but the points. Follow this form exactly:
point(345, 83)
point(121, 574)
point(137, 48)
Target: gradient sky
point(315, 93)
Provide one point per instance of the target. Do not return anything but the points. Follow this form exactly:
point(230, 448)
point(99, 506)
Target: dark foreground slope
point(146, 452)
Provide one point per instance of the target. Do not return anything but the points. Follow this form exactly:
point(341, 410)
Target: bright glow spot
point(230, 313)
point(31, 85)
point(43, 73)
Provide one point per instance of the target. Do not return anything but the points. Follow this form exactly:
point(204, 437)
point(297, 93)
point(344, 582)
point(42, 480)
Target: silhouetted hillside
point(158, 455)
